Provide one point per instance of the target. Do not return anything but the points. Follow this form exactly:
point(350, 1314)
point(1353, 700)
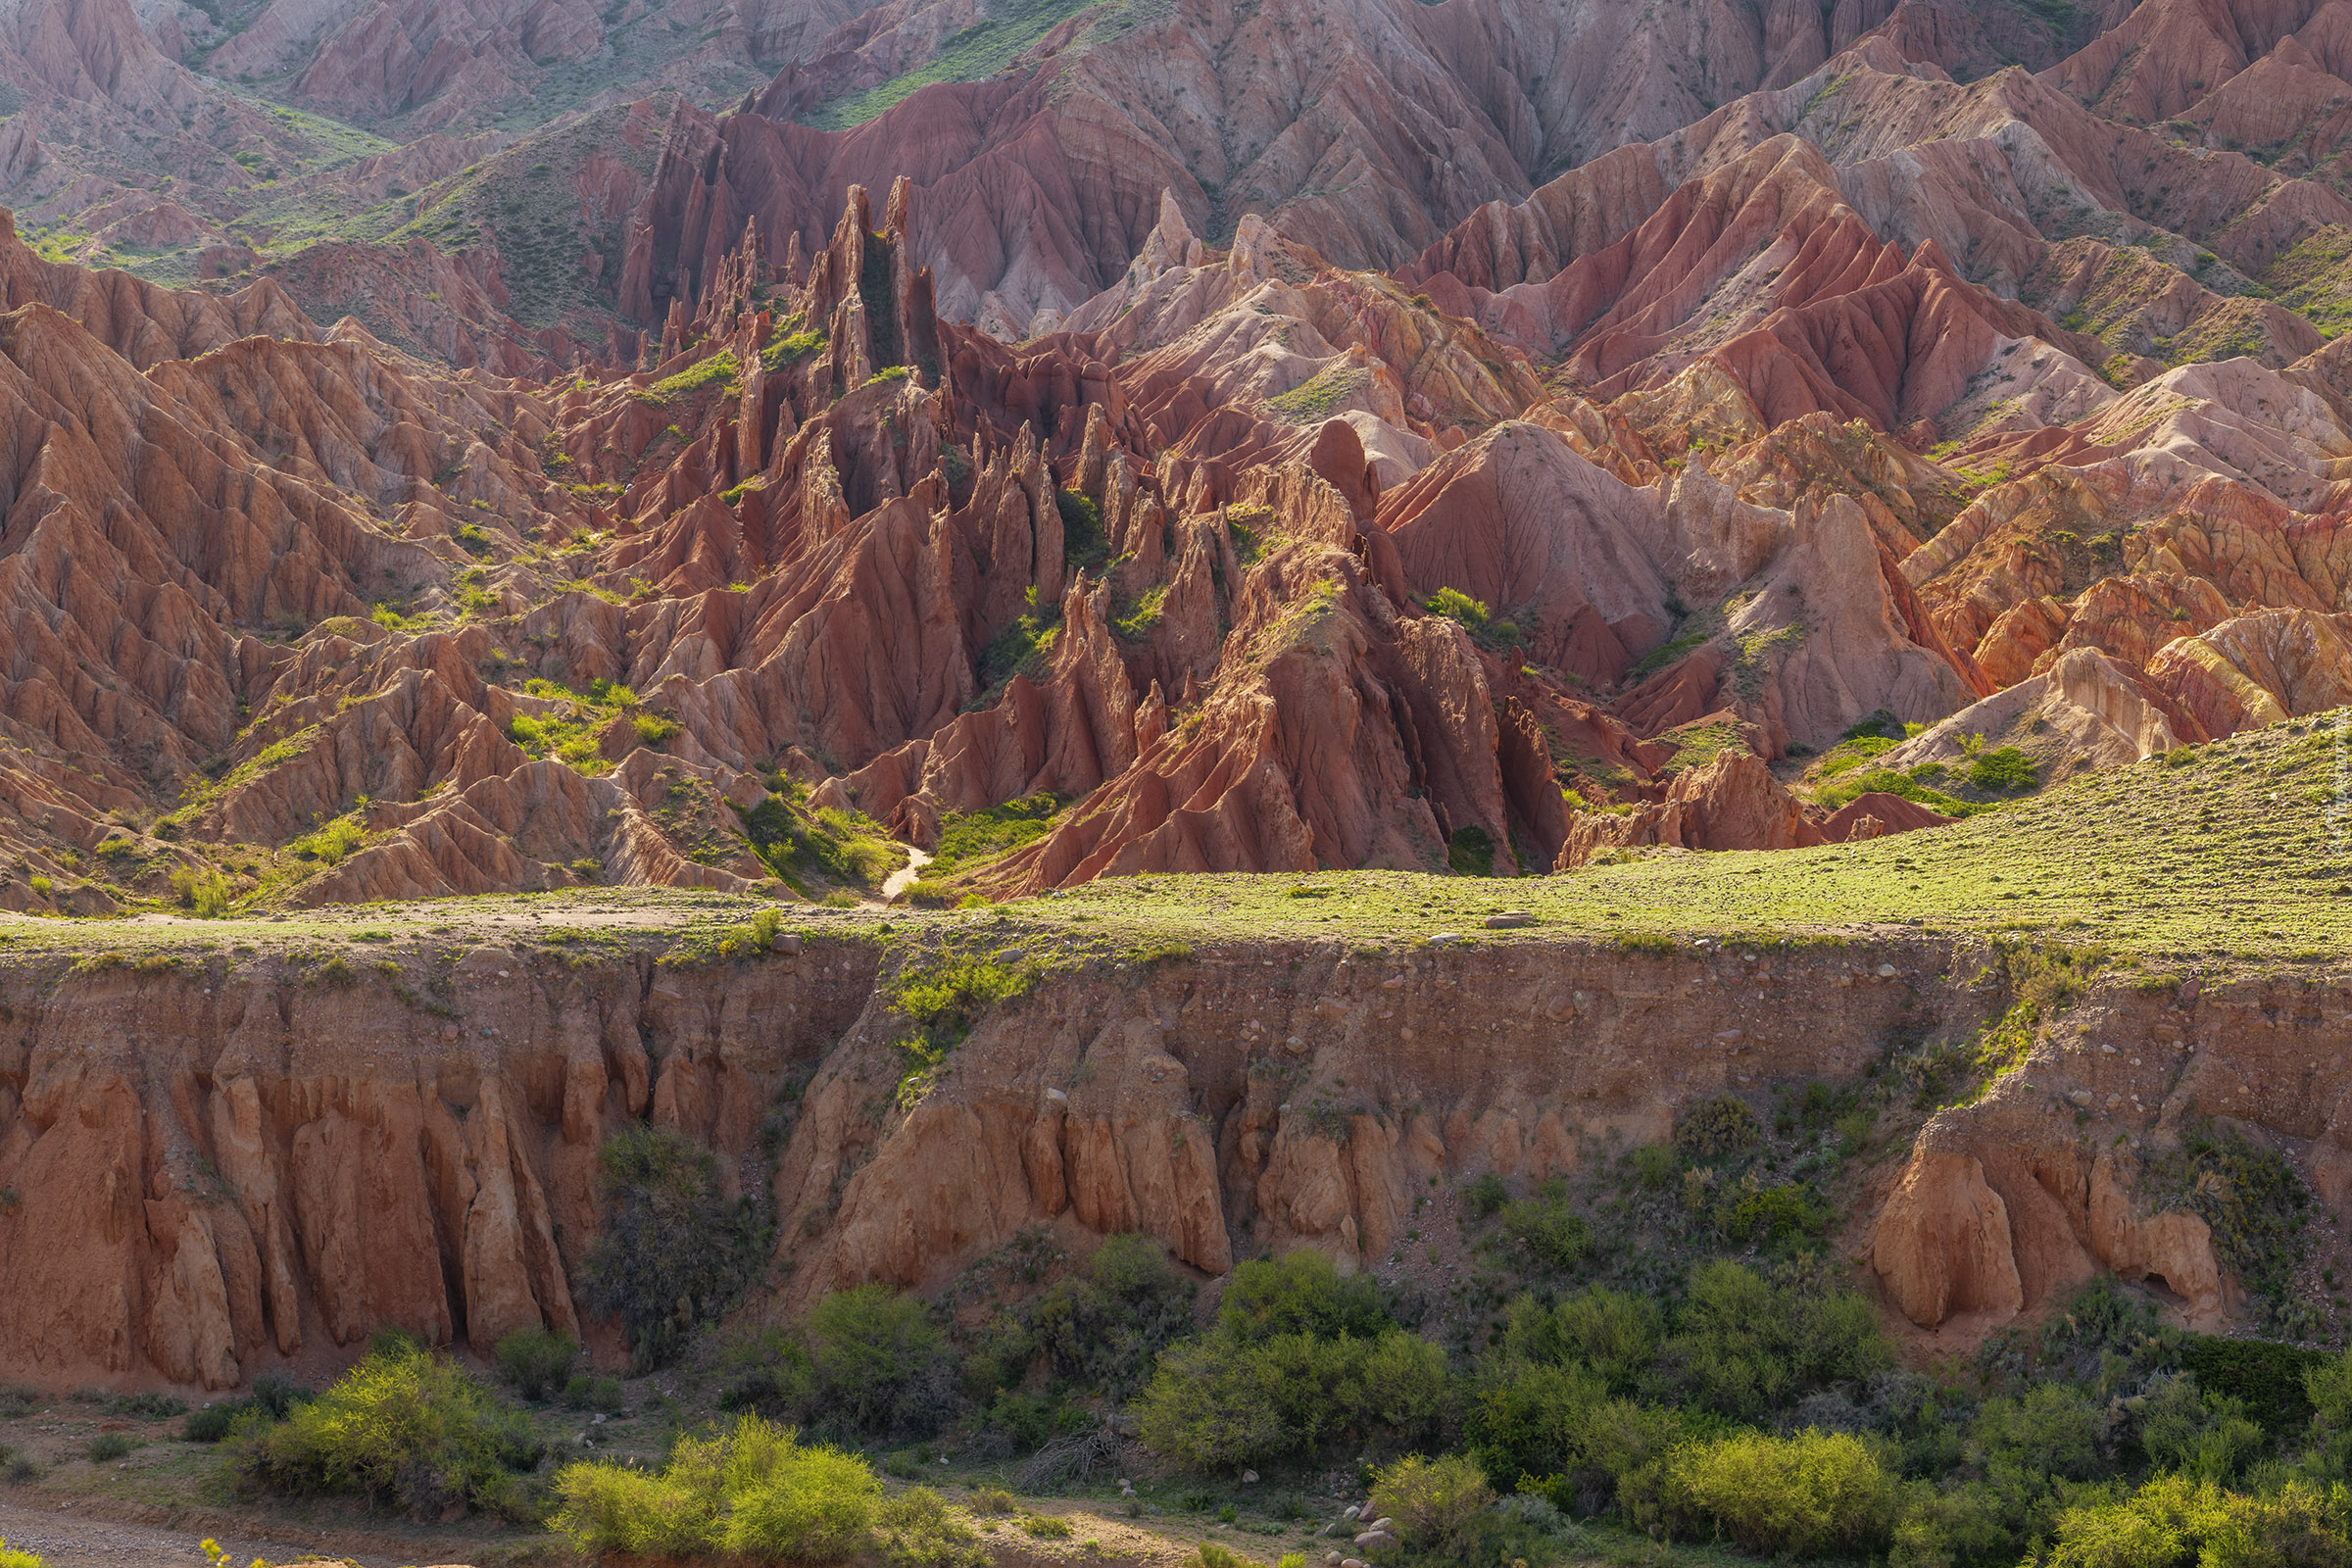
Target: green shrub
point(146, 1407)
point(675, 1253)
point(1470, 852)
point(202, 891)
point(1547, 1227)
point(1101, 1330)
point(2329, 1387)
point(537, 1361)
point(754, 1491)
point(916, 1530)
point(1613, 1333)
point(271, 1395)
point(944, 1000)
point(1486, 1195)
point(2054, 1427)
point(1472, 617)
point(2270, 1378)
point(868, 1362)
point(584, 1392)
point(1432, 1502)
point(2251, 1196)
point(1225, 1401)
point(881, 1365)
point(332, 844)
point(2006, 770)
point(2203, 1436)
point(213, 1423)
point(1723, 1125)
point(1775, 1214)
point(2175, 1522)
point(1744, 1345)
point(107, 1446)
point(841, 846)
point(1811, 1495)
point(1301, 1292)
point(1654, 1165)
point(1212, 1405)
point(404, 1426)
point(815, 1506)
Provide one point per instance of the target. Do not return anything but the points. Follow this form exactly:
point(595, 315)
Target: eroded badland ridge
point(1631, 672)
point(271, 1139)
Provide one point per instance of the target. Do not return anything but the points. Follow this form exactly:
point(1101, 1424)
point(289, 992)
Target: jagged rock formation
point(1820, 376)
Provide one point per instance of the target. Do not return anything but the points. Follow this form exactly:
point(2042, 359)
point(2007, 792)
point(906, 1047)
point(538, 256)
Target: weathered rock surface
point(261, 1169)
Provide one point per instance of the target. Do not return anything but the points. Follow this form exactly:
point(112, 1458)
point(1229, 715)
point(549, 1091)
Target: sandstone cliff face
point(259, 1168)
point(257, 1171)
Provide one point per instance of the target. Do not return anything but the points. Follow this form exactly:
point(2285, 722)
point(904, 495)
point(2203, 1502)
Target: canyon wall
point(225, 1164)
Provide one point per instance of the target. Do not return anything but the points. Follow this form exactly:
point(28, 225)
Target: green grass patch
point(942, 998)
point(721, 369)
point(984, 49)
point(1082, 541)
point(1313, 401)
point(571, 734)
point(838, 847)
point(1911, 785)
point(2314, 279)
point(789, 351)
point(1473, 616)
point(1134, 621)
point(2163, 858)
point(1024, 648)
point(968, 836)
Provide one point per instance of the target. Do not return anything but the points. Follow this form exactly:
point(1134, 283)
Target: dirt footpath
point(64, 1539)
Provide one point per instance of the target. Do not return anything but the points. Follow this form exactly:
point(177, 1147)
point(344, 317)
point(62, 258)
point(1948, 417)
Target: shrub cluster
point(1095, 1330)
point(538, 1362)
point(1299, 1357)
point(756, 1494)
point(675, 1253)
point(270, 1397)
point(866, 1364)
point(405, 1426)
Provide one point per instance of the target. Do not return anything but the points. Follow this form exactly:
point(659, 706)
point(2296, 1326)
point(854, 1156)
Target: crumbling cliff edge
point(214, 1163)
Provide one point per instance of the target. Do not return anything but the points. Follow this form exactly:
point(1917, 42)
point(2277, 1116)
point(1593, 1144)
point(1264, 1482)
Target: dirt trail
point(905, 875)
point(64, 1539)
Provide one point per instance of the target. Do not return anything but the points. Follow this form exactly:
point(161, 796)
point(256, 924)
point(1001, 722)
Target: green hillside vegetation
point(2221, 856)
point(982, 50)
